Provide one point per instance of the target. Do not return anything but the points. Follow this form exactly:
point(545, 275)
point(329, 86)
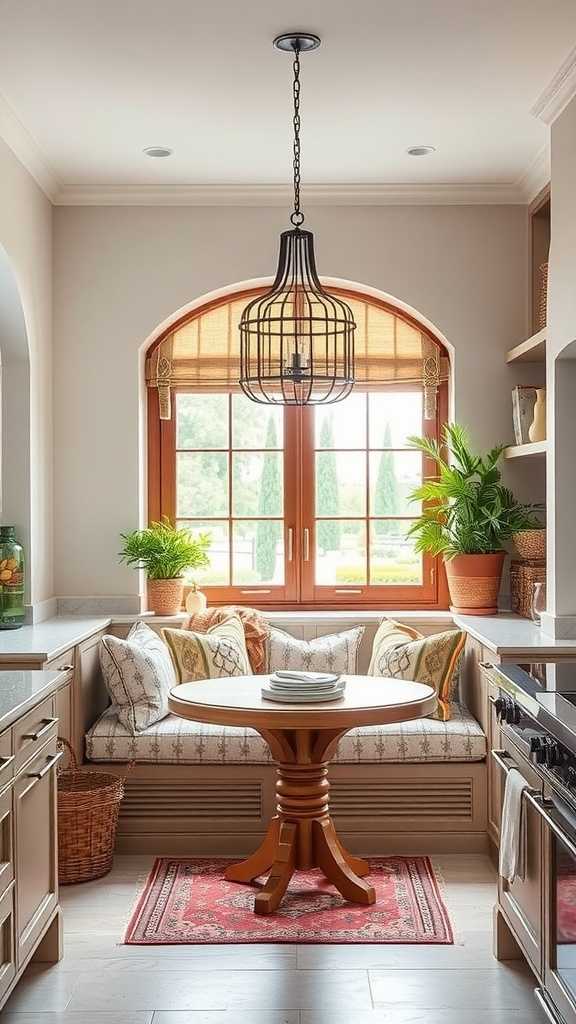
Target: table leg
point(260, 861)
point(331, 858)
point(267, 901)
point(358, 865)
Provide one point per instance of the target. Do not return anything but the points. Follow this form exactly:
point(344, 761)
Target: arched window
point(306, 507)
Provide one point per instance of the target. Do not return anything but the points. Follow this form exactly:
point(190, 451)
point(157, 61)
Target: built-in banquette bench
point(421, 786)
point(210, 789)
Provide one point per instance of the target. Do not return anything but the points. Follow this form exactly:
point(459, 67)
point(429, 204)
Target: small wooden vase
point(196, 601)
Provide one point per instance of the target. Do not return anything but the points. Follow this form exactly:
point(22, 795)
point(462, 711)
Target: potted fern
point(468, 516)
point(165, 552)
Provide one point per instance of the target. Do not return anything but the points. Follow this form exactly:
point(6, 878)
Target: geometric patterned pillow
point(216, 654)
point(433, 660)
point(337, 652)
point(139, 675)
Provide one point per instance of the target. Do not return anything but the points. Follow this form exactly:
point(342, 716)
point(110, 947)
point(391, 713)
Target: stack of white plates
point(303, 687)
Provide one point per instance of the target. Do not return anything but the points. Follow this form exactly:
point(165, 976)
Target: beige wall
point(120, 271)
point(26, 244)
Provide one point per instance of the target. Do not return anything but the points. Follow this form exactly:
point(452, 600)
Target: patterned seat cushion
point(178, 741)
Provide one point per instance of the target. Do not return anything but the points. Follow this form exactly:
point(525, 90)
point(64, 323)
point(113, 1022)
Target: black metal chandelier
point(297, 340)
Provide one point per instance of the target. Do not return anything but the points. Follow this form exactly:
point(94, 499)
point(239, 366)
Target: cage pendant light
point(297, 340)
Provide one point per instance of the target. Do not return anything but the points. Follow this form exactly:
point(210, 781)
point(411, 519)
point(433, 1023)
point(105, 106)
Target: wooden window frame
point(299, 592)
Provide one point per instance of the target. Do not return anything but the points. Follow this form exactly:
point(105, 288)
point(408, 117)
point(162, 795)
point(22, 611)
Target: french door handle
point(290, 544)
point(306, 544)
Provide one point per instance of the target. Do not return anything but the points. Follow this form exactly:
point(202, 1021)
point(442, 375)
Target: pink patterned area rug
point(190, 901)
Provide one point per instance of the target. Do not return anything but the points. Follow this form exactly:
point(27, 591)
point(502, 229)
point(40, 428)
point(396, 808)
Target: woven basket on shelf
point(88, 806)
point(543, 296)
point(523, 576)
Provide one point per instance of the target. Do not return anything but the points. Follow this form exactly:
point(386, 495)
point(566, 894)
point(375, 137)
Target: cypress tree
point(269, 501)
point(327, 497)
point(386, 494)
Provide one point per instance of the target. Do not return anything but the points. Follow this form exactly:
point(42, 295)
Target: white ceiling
point(95, 81)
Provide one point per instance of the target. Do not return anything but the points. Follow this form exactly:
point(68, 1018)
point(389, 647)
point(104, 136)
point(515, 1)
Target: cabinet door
point(35, 848)
point(494, 772)
point(64, 716)
point(521, 901)
point(6, 840)
point(7, 947)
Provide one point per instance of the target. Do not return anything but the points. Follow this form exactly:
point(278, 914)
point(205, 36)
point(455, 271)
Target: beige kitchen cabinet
point(35, 841)
point(522, 901)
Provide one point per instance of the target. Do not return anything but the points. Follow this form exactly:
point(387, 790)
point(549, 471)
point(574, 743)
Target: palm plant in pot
point(467, 516)
point(165, 552)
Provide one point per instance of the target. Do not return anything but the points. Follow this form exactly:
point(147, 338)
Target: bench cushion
point(179, 741)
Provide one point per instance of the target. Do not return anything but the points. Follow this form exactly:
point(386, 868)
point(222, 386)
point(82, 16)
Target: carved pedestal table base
point(302, 739)
point(302, 833)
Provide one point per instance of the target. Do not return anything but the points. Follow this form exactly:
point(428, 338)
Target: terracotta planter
point(474, 582)
point(530, 544)
point(165, 596)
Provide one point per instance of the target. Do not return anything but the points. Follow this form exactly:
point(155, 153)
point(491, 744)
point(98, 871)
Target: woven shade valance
point(204, 353)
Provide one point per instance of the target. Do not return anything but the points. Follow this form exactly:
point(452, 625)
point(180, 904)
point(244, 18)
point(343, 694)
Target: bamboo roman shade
point(204, 353)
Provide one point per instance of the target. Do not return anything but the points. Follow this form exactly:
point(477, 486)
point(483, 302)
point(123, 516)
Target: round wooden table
point(302, 739)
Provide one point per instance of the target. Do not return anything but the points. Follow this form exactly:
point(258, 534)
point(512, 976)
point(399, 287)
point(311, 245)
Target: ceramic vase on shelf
point(537, 430)
point(12, 612)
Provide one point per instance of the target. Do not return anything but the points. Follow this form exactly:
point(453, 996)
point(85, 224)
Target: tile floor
point(102, 982)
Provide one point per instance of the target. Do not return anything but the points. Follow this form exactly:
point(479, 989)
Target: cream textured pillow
point(337, 652)
point(139, 675)
point(402, 653)
point(221, 651)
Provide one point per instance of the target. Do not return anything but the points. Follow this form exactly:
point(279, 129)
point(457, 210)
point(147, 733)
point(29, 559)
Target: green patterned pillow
point(219, 652)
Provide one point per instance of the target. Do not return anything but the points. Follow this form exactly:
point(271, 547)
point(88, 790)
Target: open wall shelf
point(520, 451)
point(533, 350)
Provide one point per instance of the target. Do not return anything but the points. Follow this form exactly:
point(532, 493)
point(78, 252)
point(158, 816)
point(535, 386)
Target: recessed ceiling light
point(157, 151)
point(420, 150)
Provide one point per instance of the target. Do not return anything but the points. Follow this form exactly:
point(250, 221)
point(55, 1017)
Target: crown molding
point(536, 176)
point(280, 195)
point(559, 91)
point(26, 150)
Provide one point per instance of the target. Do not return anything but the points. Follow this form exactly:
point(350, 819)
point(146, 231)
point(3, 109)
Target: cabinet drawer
point(6, 840)
point(33, 730)
point(6, 758)
point(7, 942)
point(63, 663)
point(35, 848)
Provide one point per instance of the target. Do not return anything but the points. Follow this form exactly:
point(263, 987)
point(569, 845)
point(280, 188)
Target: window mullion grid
point(367, 484)
point(230, 497)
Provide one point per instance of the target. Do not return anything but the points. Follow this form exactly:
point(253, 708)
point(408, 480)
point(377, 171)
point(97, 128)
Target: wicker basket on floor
point(88, 806)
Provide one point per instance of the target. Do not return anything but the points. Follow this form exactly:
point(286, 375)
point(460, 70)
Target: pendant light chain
point(297, 338)
point(297, 218)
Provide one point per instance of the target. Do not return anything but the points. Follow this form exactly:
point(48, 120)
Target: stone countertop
point(20, 691)
point(510, 636)
point(48, 639)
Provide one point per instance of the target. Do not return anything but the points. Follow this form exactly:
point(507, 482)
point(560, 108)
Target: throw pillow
point(337, 652)
point(139, 675)
point(221, 651)
point(423, 659)
point(256, 630)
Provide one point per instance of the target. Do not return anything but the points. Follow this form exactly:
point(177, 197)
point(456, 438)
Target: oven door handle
point(500, 757)
point(543, 807)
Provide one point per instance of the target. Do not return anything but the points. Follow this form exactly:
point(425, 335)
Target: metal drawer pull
point(65, 668)
point(5, 761)
point(290, 544)
point(47, 767)
point(347, 590)
point(47, 724)
point(542, 809)
point(306, 544)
